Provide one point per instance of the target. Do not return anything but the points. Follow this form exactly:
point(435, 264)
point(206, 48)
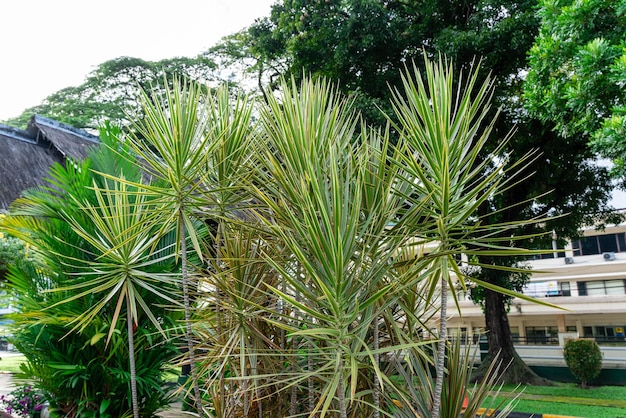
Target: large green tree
point(365, 44)
point(113, 89)
point(577, 74)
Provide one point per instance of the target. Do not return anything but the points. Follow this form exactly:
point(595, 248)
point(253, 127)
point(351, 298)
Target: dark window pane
point(590, 245)
point(582, 288)
point(608, 243)
point(621, 240)
point(564, 287)
point(576, 247)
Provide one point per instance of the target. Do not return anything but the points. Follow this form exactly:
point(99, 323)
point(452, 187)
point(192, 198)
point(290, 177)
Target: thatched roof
point(26, 155)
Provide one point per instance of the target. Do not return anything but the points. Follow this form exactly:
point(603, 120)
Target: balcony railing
point(543, 340)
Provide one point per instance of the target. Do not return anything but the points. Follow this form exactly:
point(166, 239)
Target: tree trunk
point(501, 343)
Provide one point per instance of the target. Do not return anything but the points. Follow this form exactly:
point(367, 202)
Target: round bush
point(584, 359)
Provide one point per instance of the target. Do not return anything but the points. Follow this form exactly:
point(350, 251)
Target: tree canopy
point(113, 89)
point(577, 76)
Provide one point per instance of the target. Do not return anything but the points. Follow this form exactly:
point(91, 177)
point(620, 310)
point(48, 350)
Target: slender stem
point(188, 329)
point(293, 407)
point(341, 395)
point(244, 377)
point(443, 336)
point(295, 341)
point(131, 359)
point(377, 360)
point(255, 373)
point(283, 345)
point(310, 378)
point(218, 314)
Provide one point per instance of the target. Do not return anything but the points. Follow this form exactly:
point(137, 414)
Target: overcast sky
point(47, 45)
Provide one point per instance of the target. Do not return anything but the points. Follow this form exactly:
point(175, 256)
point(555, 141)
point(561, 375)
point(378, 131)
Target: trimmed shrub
point(584, 359)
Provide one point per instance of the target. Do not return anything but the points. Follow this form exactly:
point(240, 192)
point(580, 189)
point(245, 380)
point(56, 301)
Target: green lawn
point(570, 400)
point(573, 390)
point(11, 363)
point(566, 409)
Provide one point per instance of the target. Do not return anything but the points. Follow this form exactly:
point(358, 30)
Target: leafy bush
point(72, 324)
point(24, 401)
point(78, 372)
point(12, 251)
point(584, 359)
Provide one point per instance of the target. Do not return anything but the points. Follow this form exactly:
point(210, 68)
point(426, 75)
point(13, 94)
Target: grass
point(11, 364)
point(571, 400)
point(574, 391)
point(565, 409)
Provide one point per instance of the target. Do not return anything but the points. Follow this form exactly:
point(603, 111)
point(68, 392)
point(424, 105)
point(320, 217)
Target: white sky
point(47, 45)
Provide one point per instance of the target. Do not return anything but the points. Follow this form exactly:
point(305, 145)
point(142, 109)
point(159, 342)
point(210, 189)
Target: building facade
point(587, 282)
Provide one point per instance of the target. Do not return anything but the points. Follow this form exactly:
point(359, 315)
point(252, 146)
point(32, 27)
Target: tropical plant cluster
point(292, 257)
point(24, 401)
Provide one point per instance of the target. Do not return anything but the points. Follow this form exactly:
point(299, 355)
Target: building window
point(602, 287)
point(607, 333)
point(547, 289)
point(564, 288)
point(598, 244)
point(582, 288)
point(542, 335)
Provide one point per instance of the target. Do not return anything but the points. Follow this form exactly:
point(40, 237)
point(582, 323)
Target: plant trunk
point(376, 388)
point(341, 395)
point(310, 379)
point(131, 359)
point(244, 376)
point(283, 347)
point(293, 406)
point(441, 356)
point(501, 343)
point(188, 329)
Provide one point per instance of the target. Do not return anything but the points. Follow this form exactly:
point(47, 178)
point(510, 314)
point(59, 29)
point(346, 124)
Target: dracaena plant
point(192, 143)
point(103, 265)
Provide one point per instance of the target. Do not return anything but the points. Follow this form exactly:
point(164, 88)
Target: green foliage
point(458, 388)
point(327, 250)
point(583, 358)
point(112, 90)
point(364, 46)
point(318, 249)
point(24, 401)
point(11, 250)
point(192, 143)
point(577, 73)
point(99, 267)
point(77, 372)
